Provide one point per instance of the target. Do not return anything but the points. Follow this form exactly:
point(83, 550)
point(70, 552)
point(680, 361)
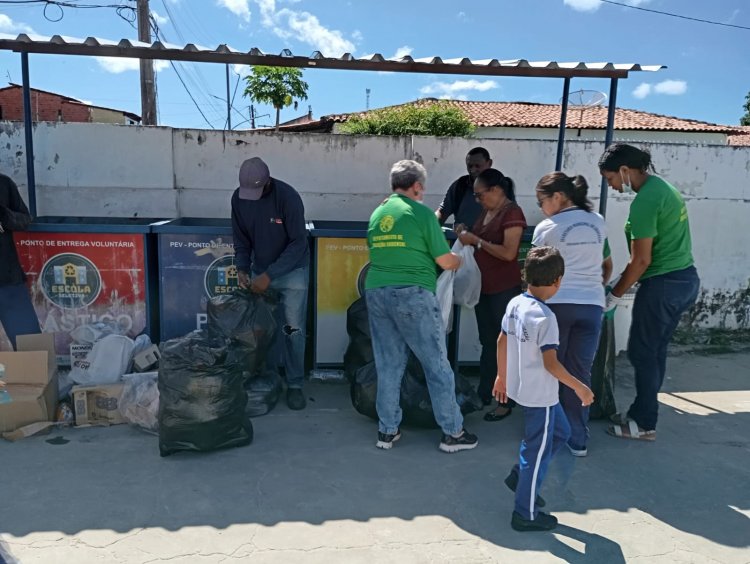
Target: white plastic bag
point(139, 402)
point(467, 284)
point(444, 295)
point(108, 360)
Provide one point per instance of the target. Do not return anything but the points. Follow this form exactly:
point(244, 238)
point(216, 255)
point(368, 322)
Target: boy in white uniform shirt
point(529, 373)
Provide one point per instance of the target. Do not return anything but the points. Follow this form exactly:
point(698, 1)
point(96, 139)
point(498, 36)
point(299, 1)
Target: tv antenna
point(583, 100)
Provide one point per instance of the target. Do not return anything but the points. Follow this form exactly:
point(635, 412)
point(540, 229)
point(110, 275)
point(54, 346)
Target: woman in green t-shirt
point(661, 260)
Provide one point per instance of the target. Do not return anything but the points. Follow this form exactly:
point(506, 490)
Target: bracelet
point(479, 244)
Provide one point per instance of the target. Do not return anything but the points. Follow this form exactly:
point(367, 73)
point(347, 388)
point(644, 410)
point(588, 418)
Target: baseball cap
point(254, 176)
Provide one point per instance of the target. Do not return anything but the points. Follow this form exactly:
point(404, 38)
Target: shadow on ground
point(320, 465)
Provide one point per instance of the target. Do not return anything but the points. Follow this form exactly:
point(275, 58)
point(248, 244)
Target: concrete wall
point(107, 170)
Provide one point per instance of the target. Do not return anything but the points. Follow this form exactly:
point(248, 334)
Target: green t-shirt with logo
point(658, 212)
point(404, 238)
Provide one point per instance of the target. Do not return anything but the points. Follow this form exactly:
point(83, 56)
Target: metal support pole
point(608, 141)
point(229, 102)
point(563, 118)
point(28, 131)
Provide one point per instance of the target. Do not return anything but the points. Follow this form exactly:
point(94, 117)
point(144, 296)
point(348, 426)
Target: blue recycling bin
point(195, 263)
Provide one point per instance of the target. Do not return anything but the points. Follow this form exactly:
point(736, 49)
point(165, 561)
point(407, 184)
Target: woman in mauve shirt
point(496, 236)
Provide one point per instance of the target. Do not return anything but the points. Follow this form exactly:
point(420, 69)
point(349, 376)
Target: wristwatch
point(479, 244)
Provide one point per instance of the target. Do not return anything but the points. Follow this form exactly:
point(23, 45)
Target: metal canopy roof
point(92, 46)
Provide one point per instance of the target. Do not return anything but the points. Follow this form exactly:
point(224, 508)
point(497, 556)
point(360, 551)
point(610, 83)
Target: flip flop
point(491, 416)
point(631, 431)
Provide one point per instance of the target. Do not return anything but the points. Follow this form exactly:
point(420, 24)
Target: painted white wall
point(116, 171)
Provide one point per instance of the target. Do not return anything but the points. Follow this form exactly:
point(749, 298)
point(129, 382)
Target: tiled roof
point(741, 136)
point(529, 114)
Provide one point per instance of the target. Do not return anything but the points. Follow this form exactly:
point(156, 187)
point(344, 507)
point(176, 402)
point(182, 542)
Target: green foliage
point(440, 119)
point(745, 120)
point(277, 86)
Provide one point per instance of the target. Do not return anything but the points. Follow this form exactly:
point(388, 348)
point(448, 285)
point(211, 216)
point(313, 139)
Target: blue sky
point(707, 79)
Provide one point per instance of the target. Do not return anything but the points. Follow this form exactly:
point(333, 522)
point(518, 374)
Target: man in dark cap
point(271, 250)
point(17, 315)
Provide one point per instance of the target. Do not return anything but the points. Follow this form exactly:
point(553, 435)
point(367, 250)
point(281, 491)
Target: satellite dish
point(583, 100)
point(586, 98)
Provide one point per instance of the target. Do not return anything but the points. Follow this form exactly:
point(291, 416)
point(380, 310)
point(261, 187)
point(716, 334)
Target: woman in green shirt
point(661, 260)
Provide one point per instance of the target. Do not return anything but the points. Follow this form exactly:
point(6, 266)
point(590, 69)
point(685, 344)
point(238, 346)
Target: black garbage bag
point(603, 373)
point(248, 320)
point(263, 393)
point(359, 351)
point(414, 398)
point(201, 398)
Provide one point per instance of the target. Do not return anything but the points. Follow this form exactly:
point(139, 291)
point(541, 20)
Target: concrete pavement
point(313, 488)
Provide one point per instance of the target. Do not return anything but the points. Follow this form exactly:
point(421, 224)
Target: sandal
point(491, 416)
point(631, 431)
point(620, 418)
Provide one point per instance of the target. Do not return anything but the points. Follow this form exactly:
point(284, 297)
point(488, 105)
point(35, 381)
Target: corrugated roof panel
point(95, 46)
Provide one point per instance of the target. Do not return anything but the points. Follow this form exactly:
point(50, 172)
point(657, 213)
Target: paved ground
point(312, 488)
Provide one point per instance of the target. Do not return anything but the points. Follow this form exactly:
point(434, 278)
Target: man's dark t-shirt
point(459, 202)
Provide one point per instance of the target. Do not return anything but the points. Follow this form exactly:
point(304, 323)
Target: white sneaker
point(580, 453)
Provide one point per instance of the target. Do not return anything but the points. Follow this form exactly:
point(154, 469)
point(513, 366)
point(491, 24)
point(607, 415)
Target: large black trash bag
point(359, 367)
point(248, 320)
point(263, 392)
point(415, 401)
point(201, 398)
point(359, 351)
point(603, 373)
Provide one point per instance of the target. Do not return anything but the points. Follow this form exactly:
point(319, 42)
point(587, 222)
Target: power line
point(157, 33)
point(674, 15)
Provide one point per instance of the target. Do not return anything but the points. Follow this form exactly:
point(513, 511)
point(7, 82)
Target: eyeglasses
point(540, 201)
point(479, 195)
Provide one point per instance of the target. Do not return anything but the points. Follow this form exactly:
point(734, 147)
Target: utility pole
point(148, 85)
point(252, 116)
point(367, 94)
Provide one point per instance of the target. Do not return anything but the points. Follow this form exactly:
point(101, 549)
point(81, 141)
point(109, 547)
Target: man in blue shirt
point(271, 250)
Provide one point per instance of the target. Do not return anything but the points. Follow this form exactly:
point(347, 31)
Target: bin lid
point(195, 226)
point(60, 224)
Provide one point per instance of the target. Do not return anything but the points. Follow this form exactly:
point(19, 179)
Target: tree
point(277, 86)
point(440, 119)
point(745, 120)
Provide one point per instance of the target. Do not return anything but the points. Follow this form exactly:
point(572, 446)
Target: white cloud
point(160, 20)
point(462, 16)
point(593, 5)
point(117, 65)
point(671, 87)
point(667, 87)
point(242, 70)
point(7, 25)
point(401, 52)
point(239, 8)
point(305, 27)
point(643, 90)
point(455, 88)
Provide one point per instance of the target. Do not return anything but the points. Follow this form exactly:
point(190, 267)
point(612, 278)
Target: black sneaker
point(465, 441)
point(543, 522)
point(512, 482)
point(385, 441)
point(295, 399)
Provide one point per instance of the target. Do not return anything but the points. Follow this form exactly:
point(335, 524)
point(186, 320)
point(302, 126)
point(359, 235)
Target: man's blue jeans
point(403, 318)
point(659, 303)
point(288, 347)
point(17, 315)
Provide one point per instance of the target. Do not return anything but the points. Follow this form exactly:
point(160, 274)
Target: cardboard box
point(31, 378)
point(97, 405)
point(146, 359)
